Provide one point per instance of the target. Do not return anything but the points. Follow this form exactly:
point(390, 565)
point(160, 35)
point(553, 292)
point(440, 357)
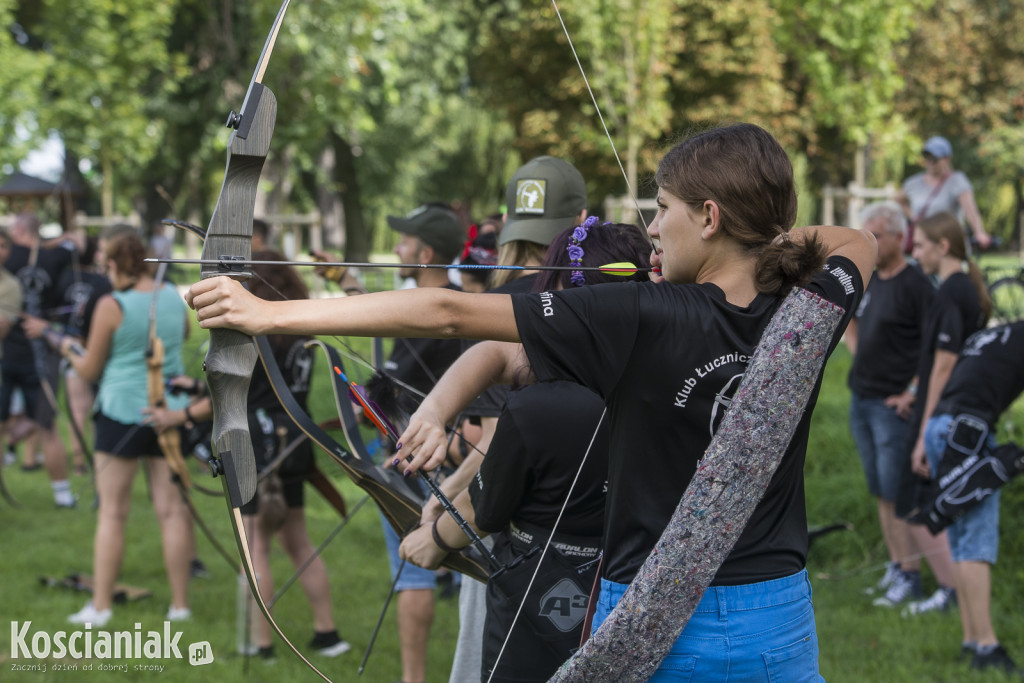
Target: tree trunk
point(358, 234)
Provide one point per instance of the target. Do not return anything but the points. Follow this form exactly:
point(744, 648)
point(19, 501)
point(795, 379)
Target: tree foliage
point(386, 104)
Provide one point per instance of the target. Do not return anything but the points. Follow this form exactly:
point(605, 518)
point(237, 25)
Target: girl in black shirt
point(666, 360)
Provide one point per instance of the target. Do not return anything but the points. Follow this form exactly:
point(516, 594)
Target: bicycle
point(1005, 282)
point(1007, 294)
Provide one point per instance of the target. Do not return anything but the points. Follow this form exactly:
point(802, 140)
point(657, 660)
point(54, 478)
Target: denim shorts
point(973, 537)
point(883, 441)
point(755, 632)
point(413, 577)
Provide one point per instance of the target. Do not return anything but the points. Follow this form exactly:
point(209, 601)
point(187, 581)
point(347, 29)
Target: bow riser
point(229, 236)
point(228, 366)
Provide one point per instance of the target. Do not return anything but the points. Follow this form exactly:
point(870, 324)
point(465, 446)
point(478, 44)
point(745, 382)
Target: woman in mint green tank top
point(115, 356)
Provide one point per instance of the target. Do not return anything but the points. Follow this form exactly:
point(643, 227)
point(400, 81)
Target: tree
point(110, 71)
point(21, 82)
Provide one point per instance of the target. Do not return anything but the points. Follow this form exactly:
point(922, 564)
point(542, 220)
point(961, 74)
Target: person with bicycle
point(940, 188)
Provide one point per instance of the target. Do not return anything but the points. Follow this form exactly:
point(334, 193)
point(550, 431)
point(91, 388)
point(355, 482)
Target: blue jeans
point(883, 441)
point(755, 632)
point(413, 577)
point(973, 537)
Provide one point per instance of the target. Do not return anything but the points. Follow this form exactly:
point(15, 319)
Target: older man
point(885, 339)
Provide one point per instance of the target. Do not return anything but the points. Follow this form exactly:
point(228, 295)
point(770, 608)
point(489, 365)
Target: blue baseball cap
point(938, 147)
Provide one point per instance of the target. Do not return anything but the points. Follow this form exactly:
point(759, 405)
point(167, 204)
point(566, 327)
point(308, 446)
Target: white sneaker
point(179, 614)
point(90, 615)
point(892, 570)
point(942, 600)
point(906, 587)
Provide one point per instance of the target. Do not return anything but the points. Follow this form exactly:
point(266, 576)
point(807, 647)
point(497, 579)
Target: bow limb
point(6, 493)
point(232, 355)
point(76, 429)
point(399, 503)
point(342, 386)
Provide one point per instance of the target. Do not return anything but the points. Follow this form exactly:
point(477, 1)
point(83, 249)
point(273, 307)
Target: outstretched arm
point(221, 302)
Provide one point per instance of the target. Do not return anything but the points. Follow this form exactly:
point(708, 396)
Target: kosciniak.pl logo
point(104, 645)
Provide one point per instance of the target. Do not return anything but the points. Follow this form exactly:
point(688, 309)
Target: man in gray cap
point(431, 233)
point(940, 188)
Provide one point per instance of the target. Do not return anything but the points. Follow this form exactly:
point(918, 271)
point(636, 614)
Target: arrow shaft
point(231, 265)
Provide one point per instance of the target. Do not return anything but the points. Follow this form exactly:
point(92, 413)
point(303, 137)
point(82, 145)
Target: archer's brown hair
point(129, 253)
point(745, 171)
point(945, 226)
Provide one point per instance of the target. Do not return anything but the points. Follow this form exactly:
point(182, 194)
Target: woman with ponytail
point(666, 359)
point(960, 308)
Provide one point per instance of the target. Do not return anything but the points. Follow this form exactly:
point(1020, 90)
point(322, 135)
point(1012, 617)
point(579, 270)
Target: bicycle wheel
point(1007, 300)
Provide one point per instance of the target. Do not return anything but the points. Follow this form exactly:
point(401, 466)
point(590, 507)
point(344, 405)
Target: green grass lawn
point(858, 642)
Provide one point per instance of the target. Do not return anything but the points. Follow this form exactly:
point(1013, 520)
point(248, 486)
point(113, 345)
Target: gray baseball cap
point(437, 226)
point(543, 198)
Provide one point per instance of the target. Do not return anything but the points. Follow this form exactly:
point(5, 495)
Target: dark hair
point(482, 251)
point(745, 171)
point(276, 283)
point(260, 227)
point(945, 226)
point(129, 254)
point(605, 243)
point(87, 255)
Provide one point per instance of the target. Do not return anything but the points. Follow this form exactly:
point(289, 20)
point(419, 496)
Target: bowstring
point(600, 116)
point(544, 551)
point(583, 462)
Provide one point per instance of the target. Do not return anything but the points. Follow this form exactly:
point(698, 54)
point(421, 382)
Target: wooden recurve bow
point(232, 355)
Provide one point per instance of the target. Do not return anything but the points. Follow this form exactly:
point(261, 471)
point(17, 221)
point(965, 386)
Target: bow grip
point(228, 366)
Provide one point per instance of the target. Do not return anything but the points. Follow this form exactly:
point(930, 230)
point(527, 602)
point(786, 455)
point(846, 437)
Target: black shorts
point(294, 496)
point(38, 407)
point(123, 440)
point(293, 470)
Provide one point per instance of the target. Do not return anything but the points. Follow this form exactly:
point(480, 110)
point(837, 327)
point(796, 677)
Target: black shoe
point(31, 467)
point(329, 644)
point(198, 570)
point(996, 659)
point(266, 652)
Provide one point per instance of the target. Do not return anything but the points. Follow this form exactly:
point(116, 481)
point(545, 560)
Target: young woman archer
point(665, 359)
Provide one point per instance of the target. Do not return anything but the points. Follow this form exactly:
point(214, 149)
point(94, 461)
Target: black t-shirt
point(667, 359)
point(954, 316)
point(421, 362)
point(491, 402)
point(541, 437)
point(39, 291)
point(890, 320)
point(266, 414)
point(989, 374)
point(81, 290)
